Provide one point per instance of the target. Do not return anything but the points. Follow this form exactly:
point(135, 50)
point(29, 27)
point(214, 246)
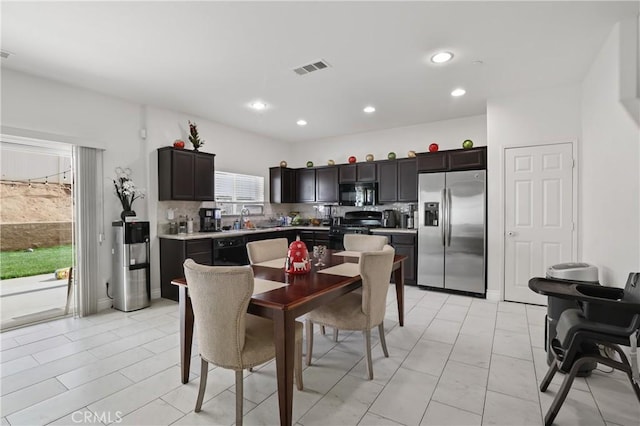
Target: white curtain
point(89, 229)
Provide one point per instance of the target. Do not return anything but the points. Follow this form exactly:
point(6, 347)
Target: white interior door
point(538, 215)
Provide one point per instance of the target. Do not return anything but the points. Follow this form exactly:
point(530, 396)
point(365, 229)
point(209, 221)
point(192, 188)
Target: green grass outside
point(15, 264)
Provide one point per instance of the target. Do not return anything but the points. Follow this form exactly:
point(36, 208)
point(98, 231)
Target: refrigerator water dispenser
point(431, 214)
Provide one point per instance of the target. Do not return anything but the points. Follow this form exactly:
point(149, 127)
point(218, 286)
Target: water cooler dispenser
point(130, 279)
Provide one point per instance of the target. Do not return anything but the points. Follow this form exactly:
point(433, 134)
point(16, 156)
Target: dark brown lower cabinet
point(290, 235)
point(313, 238)
point(174, 252)
point(321, 238)
point(172, 256)
point(405, 244)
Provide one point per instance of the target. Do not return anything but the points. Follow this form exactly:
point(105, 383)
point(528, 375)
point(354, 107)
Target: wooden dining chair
point(227, 335)
point(264, 250)
point(355, 311)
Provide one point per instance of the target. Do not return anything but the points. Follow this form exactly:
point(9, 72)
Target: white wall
point(610, 178)
point(236, 151)
point(45, 109)
point(448, 134)
point(608, 157)
point(544, 116)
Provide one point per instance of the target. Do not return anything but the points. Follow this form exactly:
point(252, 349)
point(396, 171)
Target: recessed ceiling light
point(458, 92)
point(258, 105)
point(301, 122)
point(441, 57)
point(369, 109)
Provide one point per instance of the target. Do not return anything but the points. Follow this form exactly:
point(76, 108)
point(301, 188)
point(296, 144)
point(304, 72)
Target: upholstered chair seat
point(227, 335)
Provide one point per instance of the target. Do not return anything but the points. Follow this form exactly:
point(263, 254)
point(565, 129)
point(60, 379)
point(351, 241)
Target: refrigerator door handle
point(443, 222)
point(449, 217)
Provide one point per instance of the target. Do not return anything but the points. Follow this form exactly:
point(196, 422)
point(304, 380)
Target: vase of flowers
point(126, 191)
point(194, 138)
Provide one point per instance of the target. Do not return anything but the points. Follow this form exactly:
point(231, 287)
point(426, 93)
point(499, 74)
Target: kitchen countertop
point(235, 233)
point(239, 232)
point(394, 231)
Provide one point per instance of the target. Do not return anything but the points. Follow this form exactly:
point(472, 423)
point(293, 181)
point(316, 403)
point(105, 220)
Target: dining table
point(286, 297)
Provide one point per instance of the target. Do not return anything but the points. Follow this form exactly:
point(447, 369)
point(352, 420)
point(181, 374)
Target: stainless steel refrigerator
point(452, 230)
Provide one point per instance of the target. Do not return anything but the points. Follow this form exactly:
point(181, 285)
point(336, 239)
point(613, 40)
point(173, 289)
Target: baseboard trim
point(104, 303)
point(494, 295)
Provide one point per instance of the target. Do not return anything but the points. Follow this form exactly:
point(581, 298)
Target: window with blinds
point(234, 189)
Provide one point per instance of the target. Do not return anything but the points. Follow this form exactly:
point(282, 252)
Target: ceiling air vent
point(315, 66)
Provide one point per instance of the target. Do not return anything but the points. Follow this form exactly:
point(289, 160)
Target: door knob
point(511, 233)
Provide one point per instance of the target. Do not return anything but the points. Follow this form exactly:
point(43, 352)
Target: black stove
point(354, 222)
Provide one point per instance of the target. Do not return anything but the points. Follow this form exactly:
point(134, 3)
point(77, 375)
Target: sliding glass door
point(37, 221)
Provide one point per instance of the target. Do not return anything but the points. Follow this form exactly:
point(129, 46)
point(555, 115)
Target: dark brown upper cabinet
point(366, 172)
point(387, 181)
point(407, 180)
point(306, 185)
point(468, 159)
point(433, 161)
point(397, 180)
point(282, 184)
point(347, 173)
point(453, 160)
point(358, 172)
point(185, 175)
point(327, 184)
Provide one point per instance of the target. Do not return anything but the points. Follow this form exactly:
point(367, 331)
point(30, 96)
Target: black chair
point(608, 317)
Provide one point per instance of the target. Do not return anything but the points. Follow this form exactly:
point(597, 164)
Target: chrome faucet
point(244, 212)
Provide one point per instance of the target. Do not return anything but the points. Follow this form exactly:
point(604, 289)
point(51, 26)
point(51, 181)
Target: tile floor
point(457, 361)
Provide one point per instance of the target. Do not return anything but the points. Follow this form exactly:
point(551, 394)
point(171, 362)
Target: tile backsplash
point(183, 209)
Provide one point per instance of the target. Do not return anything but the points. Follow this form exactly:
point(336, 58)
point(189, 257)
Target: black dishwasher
point(230, 251)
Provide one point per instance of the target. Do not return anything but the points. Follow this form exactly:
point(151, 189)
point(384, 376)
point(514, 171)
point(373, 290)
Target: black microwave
point(358, 194)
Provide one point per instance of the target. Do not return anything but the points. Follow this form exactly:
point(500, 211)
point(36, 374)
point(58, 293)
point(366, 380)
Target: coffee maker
point(412, 220)
point(389, 219)
point(210, 220)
